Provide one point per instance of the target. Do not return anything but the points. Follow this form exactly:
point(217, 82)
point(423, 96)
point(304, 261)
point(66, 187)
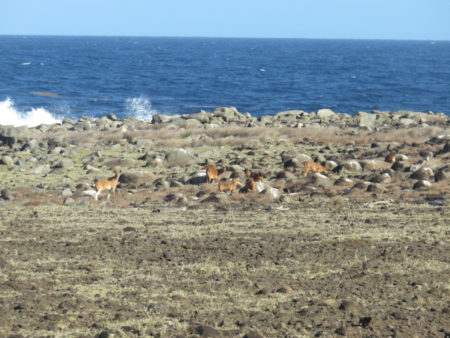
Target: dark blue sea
point(141, 76)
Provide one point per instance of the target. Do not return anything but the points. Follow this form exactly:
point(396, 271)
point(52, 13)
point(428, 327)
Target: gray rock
point(367, 120)
point(423, 173)
point(65, 163)
point(66, 192)
point(202, 116)
point(158, 118)
point(6, 160)
point(69, 202)
point(179, 158)
point(406, 122)
point(40, 170)
point(135, 179)
point(266, 120)
point(187, 123)
point(227, 113)
point(10, 135)
point(440, 175)
point(326, 113)
point(321, 179)
point(422, 184)
point(353, 166)
point(56, 141)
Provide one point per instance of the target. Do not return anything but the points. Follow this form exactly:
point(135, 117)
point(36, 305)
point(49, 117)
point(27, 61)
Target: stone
point(41, 169)
point(321, 179)
point(353, 166)
point(422, 184)
point(206, 331)
point(423, 173)
point(253, 334)
point(10, 135)
point(135, 179)
point(6, 160)
point(406, 122)
point(440, 175)
point(325, 113)
point(66, 192)
point(226, 113)
point(202, 116)
point(187, 123)
point(367, 120)
point(179, 158)
point(65, 163)
point(272, 193)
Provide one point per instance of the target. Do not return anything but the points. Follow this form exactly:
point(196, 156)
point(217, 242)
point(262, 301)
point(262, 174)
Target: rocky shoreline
point(162, 160)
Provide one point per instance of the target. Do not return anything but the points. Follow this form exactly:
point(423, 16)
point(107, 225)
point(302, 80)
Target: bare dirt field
point(314, 268)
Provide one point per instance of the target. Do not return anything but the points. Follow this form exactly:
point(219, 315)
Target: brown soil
point(321, 268)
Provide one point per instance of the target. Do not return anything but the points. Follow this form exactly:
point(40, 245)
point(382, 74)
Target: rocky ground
point(360, 251)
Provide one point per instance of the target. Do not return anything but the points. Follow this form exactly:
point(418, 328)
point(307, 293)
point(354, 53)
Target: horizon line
point(215, 37)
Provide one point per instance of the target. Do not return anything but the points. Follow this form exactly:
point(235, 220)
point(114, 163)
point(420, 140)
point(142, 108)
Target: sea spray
point(140, 108)
point(36, 116)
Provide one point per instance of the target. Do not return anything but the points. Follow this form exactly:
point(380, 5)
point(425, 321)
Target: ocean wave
point(140, 108)
point(9, 115)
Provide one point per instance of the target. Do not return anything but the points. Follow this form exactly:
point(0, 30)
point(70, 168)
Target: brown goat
point(107, 184)
point(257, 177)
point(214, 174)
point(250, 185)
point(314, 167)
point(229, 186)
point(390, 158)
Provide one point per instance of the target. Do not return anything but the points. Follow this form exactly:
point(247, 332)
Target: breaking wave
point(9, 115)
point(140, 108)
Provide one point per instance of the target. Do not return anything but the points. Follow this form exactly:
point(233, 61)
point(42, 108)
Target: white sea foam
point(140, 108)
point(9, 115)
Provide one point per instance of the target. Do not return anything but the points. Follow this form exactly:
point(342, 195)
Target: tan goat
point(214, 174)
point(107, 184)
point(229, 186)
point(314, 167)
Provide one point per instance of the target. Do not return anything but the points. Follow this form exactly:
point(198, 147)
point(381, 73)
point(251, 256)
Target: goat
point(229, 186)
point(257, 177)
point(107, 184)
point(250, 185)
point(214, 174)
point(314, 167)
point(390, 158)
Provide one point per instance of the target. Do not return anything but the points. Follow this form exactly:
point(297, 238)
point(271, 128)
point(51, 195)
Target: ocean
point(44, 79)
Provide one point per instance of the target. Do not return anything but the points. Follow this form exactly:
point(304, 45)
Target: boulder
point(440, 175)
point(321, 179)
point(10, 135)
point(65, 163)
point(41, 169)
point(352, 166)
point(135, 179)
point(227, 113)
point(272, 193)
point(6, 160)
point(422, 184)
point(187, 123)
point(202, 116)
point(423, 173)
point(326, 113)
point(367, 120)
point(179, 158)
